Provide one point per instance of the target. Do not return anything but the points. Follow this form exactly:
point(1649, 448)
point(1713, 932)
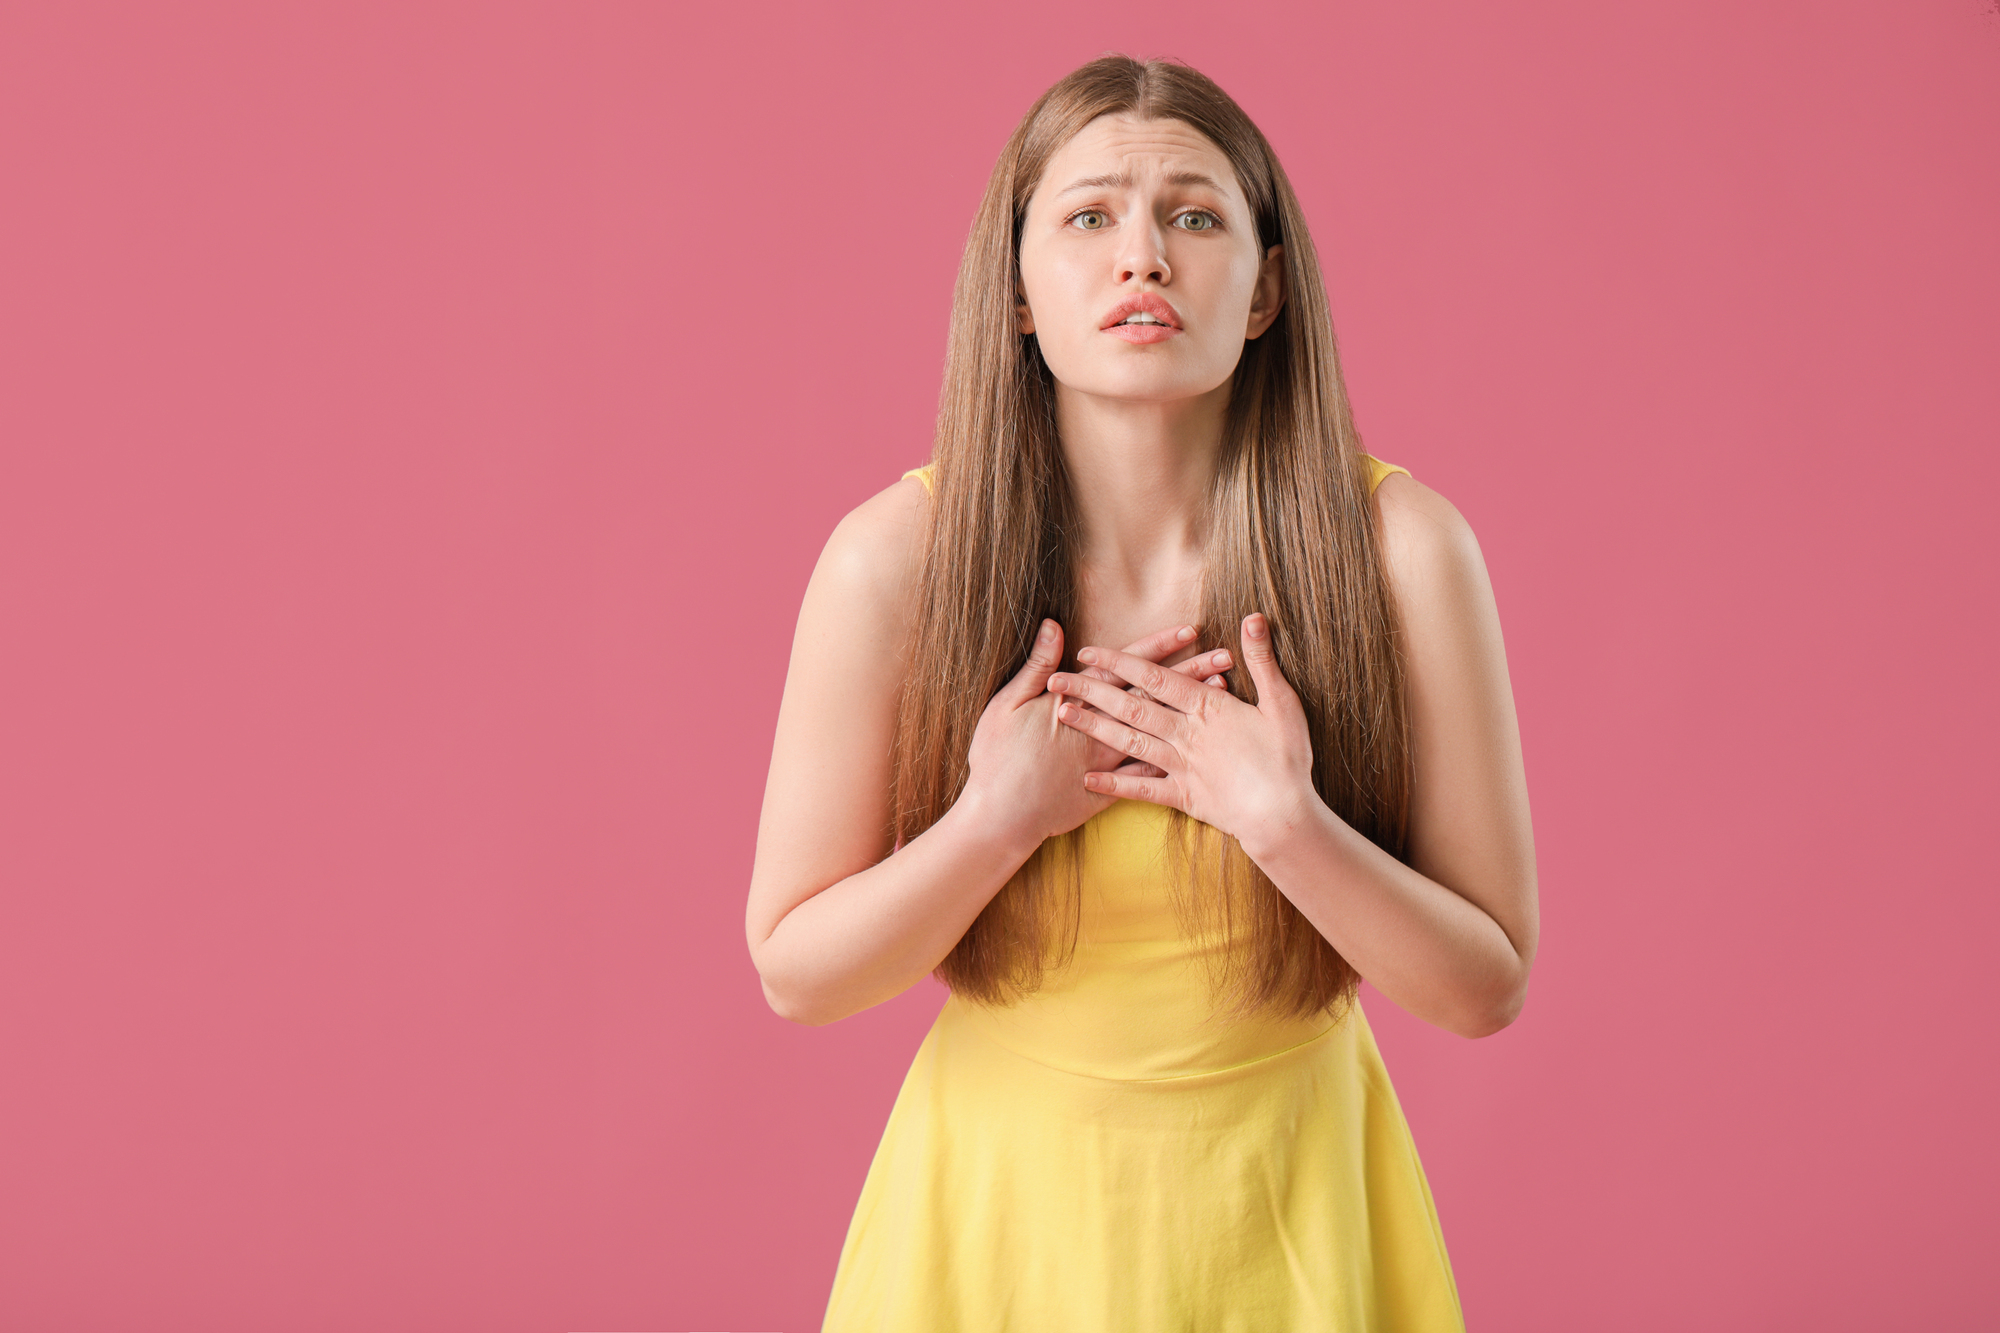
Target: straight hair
point(1292, 533)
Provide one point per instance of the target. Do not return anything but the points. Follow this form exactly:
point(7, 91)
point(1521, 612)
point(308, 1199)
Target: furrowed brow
point(1116, 181)
point(1121, 181)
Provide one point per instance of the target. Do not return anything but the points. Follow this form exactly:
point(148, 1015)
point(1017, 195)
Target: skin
point(836, 924)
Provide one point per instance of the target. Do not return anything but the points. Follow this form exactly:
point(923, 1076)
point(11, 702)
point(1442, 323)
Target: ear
point(1024, 318)
point(1269, 297)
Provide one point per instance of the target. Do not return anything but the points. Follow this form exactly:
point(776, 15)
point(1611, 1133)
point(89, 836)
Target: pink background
point(419, 424)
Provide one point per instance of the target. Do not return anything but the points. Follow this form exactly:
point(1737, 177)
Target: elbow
point(795, 1008)
point(1492, 1013)
point(788, 1000)
point(787, 1006)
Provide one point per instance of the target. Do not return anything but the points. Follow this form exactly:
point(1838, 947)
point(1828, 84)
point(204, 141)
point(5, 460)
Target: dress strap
point(1377, 472)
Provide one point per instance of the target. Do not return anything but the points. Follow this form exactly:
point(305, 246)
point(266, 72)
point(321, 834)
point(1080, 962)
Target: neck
point(1140, 473)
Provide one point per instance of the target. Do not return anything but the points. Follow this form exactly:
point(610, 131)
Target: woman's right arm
point(835, 923)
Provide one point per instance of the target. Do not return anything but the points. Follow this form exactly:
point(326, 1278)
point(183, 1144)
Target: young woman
point(1150, 875)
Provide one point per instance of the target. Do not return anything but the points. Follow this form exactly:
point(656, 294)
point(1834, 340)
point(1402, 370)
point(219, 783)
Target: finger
point(1165, 643)
point(1160, 791)
point(1140, 745)
point(1043, 658)
point(1153, 647)
point(1135, 769)
point(1273, 690)
point(1218, 682)
point(1134, 710)
point(1205, 664)
point(1164, 684)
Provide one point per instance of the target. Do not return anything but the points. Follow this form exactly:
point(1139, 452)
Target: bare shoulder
point(870, 561)
point(1430, 547)
point(826, 801)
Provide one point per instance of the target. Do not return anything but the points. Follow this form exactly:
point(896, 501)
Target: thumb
point(1044, 656)
point(1262, 659)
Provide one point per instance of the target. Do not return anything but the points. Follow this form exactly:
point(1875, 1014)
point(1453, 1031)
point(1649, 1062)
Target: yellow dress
point(1105, 1155)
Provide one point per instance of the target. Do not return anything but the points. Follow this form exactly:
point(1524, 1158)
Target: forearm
point(873, 935)
point(1434, 952)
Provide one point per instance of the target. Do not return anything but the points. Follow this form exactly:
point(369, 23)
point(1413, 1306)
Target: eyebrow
point(1123, 181)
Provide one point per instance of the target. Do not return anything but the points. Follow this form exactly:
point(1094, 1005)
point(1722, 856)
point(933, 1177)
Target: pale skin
point(836, 924)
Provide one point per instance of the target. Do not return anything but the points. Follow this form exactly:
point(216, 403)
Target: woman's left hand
point(1242, 768)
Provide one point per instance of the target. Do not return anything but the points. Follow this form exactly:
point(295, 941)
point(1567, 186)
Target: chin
point(1139, 383)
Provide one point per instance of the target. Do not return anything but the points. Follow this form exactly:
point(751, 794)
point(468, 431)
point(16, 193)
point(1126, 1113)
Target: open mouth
point(1143, 314)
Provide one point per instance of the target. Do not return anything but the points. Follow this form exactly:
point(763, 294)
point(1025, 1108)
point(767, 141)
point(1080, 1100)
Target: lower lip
point(1143, 333)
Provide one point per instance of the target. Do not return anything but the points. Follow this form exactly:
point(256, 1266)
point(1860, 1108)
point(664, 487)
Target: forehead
point(1148, 151)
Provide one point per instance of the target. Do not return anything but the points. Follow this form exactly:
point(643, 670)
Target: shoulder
point(1431, 549)
point(871, 556)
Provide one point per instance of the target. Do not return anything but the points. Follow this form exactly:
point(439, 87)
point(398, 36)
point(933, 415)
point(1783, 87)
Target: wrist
point(1281, 829)
point(999, 834)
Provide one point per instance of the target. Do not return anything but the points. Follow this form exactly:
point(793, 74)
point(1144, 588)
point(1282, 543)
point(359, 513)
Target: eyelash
point(1214, 222)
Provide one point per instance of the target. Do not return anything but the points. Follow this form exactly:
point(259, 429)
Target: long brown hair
point(1292, 533)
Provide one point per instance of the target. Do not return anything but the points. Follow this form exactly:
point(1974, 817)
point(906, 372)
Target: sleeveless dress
point(1105, 1156)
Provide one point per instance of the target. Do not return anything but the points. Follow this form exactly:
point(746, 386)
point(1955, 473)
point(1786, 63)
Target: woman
point(1151, 877)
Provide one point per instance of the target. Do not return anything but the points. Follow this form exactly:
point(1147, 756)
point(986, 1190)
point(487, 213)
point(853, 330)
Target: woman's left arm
point(1450, 936)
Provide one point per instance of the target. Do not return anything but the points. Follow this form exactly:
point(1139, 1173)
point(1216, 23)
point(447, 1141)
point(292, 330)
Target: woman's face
point(1141, 274)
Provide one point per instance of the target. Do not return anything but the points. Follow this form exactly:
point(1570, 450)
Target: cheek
point(1063, 304)
point(1234, 287)
point(1052, 282)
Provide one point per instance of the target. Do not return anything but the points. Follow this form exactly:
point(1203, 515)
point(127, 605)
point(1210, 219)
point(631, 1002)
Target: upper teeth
point(1141, 318)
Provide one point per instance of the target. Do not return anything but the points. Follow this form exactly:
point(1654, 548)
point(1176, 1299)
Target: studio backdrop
point(418, 423)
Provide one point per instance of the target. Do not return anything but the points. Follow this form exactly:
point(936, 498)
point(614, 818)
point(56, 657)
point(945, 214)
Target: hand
point(1023, 764)
point(1242, 768)
point(1209, 668)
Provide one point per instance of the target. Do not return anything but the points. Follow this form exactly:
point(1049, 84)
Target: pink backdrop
point(419, 424)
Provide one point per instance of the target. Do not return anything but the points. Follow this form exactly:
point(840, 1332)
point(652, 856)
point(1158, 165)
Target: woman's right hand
point(1026, 769)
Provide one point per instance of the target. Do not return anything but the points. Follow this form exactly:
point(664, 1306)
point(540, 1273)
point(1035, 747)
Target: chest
point(1119, 617)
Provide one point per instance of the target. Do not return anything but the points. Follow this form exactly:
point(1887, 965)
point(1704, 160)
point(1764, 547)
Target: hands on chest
point(1245, 769)
point(1055, 747)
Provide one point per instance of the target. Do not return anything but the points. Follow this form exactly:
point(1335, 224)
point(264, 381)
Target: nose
point(1144, 256)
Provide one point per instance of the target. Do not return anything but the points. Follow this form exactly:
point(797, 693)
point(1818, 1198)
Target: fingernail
point(1221, 658)
point(1063, 711)
point(1254, 625)
point(1048, 633)
point(1058, 683)
point(1087, 655)
point(1187, 632)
